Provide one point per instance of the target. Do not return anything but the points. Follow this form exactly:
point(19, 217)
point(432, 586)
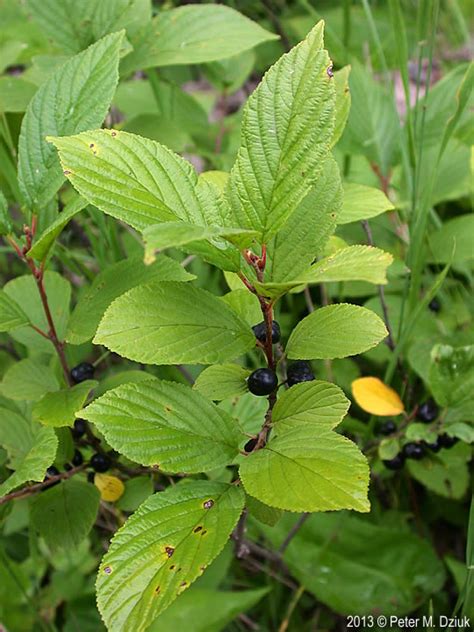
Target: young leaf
point(319, 403)
point(75, 98)
point(162, 549)
point(111, 283)
point(165, 424)
point(193, 35)
point(375, 397)
point(308, 468)
point(31, 449)
point(287, 129)
point(221, 381)
point(173, 323)
point(64, 514)
point(362, 202)
point(11, 314)
point(57, 409)
point(335, 331)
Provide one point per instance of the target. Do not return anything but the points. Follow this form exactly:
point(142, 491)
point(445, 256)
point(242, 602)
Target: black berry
point(262, 382)
point(82, 372)
point(415, 451)
point(298, 372)
point(260, 332)
point(52, 471)
point(77, 459)
point(250, 445)
point(434, 447)
point(67, 467)
point(396, 463)
point(434, 305)
point(428, 411)
point(100, 462)
point(445, 441)
point(388, 427)
point(79, 428)
point(90, 477)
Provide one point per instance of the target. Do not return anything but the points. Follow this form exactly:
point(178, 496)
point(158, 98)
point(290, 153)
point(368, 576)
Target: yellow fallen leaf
point(375, 397)
point(110, 487)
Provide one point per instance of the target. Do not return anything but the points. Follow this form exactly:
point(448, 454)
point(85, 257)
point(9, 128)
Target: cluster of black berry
point(263, 382)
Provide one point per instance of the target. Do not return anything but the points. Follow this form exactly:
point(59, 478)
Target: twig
point(292, 532)
point(291, 607)
point(38, 487)
point(241, 547)
point(185, 373)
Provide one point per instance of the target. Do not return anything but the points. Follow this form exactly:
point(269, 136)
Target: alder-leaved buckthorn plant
point(268, 225)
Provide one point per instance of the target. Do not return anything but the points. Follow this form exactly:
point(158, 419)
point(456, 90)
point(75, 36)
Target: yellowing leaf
point(375, 397)
point(110, 487)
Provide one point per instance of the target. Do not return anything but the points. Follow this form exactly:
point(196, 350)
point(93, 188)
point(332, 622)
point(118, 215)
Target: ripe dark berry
point(445, 441)
point(100, 462)
point(77, 459)
point(434, 305)
point(79, 428)
point(396, 463)
point(388, 427)
point(298, 372)
point(428, 411)
point(415, 451)
point(52, 471)
point(262, 382)
point(82, 372)
point(90, 477)
point(260, 332)
point(434, 447)
point(67, 467)
point(250, 445)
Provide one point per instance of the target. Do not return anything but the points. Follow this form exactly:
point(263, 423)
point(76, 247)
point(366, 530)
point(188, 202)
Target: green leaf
point(136, 491)
point(451, 375)
point(11, 314)
point(111, 283)
point(43, 244)
point(452, 243)
point(319, 403)
point(343, 102)
point(162, 549)
point(28, 380)
point(304, 235)
point(308, 468)
point(5, 222)
point(167, 425)
point(283, 148)
point(173, 323)
point(194, 35)
point(204, 610)
point(245, 303)
point(221, 381)
point(64, 514)
point(31, 448)
point(58, 409)
point(15, 94)
point(448, 475)
point(24, 291)
point(262, 512)
point(75, 98)
point(354, 263)
point(462, 431)
point(362, 202)
point(335, 331)
point(355, 567)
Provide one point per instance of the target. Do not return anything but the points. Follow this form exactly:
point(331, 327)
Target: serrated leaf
point(28, 380)
point(335, 331)
point(451, 374)
point(24, 291)
point(64, 514)
point(362, 202)
point(111, 488)
point(5, 223)
point(302, 238)
point(193, 35)
point(75, 98)
point(58, 409)
point(262, 512)
point(11, 314)
point(173, 323)
point(31, 449)
point(111, 283)
point(316, 402)
point(283, 148)
point(343, 102)
point(375, 397)
point(245, 303)
point(308, 469)
point(165, 424)
point(162, 549)
point(43, 244)
point(221, 381)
